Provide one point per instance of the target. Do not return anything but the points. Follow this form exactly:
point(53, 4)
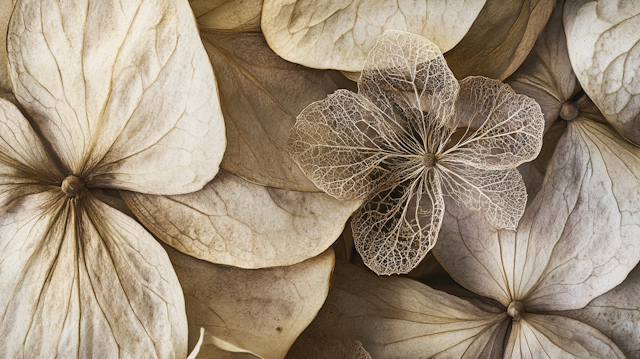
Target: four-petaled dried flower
point(410, 135)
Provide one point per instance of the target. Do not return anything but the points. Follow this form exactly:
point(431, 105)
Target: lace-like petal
point(341, 142)
point(397, 227)
point(507, 127)
point(407, 77)
point(499, 194)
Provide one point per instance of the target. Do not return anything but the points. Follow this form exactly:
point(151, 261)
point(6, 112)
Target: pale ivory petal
point(80, 280)
point(261, 95)
point(397, 317)
point(338, 34)
point(6, 6)
point(260, 311)
point(235, 222)
point(546, 74)
point(500, 38)
point(125, 93)
point(604, 46)
point(406, 76)
point(341, 142)
point(554, 337)
point(504, 129)
point(577, 239)
point(396, 228)
point(24, 163)
point(239, 15)
point(616, 314)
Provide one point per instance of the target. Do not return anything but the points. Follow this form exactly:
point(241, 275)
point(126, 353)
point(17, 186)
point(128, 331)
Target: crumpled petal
point(397, 227)
point(505, 129)
point(554, 337)
point(235, 222)
point(499, 194)
point(83, 280)
point(123, 91)
point(406, 76)
point(341, 142)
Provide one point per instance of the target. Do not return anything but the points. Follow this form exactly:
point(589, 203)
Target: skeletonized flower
point(396, 143)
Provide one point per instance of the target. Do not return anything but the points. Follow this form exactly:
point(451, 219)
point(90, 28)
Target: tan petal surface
point(546, 74)
point(553, 337)
point(261, 95)
point(577, 239)
point(235, 222)
point(148, 119)
point(398, 318)
point(616, 314)
point(338, 34)
point(258, 311)
point(500, 38)
point(6, 6)
point(239, 15)
point(84, 280)
point(603, 39)
point(396, 228)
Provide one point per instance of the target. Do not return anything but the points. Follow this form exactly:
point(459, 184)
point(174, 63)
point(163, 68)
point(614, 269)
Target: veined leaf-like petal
point(239, 15)
point(235, 222)
point(259, 311)
point(123, 91)
point(553, 337)
point(81, 279)
point(397, 227)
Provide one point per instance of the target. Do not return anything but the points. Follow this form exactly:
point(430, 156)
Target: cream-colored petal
point(261, 95)
point(397, 317)
point(343, 142)
point(578, 238)
point(406, 76)
point(235, 222)
point(604, 45)
point(338, 34)
point(239, 15)
point(546, 74)
point(395, 228)
point(259, 311)
point(123, 91)
point(504, 129)
point(6, 6)
point(553, 337)
point(616, 314)
point(80, 280)
point(500, 38)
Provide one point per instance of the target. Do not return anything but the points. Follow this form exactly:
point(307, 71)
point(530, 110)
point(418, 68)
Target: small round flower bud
point(569, 111)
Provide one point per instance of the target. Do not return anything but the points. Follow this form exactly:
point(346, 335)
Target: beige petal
point(80, 280)
point(6, 6)
point(604, 46)
point(616, 314)
point(235, 222)
point(508, 127)
point(259, 311)
point(553, 337)
point(148, 120)
point(261, 95)
point(396, 228)
point(546, 74)
point(239, 15)
point(338, 34)
point(398, 318)
point(500, 38)
point(577, 239)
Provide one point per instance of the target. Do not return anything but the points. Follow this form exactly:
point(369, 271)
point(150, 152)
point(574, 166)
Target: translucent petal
point(341, 142)
point(407, 77)
point(500, 194)
point(395, 228)
point(505, 128)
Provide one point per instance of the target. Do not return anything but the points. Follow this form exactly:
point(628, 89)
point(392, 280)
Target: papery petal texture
point(123, 92)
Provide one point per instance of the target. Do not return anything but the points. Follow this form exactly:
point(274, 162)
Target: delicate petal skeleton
point(411, 135)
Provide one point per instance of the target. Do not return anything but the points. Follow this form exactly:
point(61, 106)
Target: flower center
point(429, 160)
point(515, 310)
point(73, 186)
point(569, 111)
